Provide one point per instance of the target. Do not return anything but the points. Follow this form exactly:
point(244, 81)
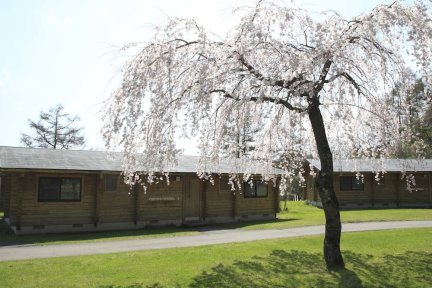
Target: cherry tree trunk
point(324, 184)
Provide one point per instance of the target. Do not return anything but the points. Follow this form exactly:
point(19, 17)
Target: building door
point(192, 200)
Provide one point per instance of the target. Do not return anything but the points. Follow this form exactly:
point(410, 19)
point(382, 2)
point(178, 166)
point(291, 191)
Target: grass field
point(298, 214)
point(393, 258)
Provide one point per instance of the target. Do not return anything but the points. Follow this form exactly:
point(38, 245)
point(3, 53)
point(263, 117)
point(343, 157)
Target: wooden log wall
point(257, 206)
point(116, 206)
point(161, 201)
point(31, 212)
point(1, 195)
point(420, 192)
point(6, 189)
point(359, 197)
point(125, 205)
point(220, 200)
point(386, 189)
point(310, 191)
point(390, 191)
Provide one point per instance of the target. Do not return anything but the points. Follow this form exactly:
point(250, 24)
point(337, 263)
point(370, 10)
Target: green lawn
point(393, 258)
point(298, 214)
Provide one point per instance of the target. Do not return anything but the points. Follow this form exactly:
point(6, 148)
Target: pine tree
point(54, 130)
point(240, 134)
point(415, 123)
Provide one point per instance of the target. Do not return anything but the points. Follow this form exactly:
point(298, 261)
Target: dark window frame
point(246, 186)
point(353, 183)
point(110, 177)
point(60, 180)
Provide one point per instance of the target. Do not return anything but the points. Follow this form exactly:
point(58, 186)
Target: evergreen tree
point(415, 137)
point(240, 134)
point(54, 130)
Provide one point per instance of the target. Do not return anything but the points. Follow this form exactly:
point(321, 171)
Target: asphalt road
point(20, 252)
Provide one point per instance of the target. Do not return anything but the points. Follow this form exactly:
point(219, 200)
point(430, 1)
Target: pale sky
point(63, 52)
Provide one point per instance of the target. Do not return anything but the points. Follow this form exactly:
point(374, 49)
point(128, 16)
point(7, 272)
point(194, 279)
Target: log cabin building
point(46, 191)
point(365, 192)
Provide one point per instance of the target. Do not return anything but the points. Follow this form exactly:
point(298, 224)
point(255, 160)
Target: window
point(258, 190)
point(350, 183)
point(111, 183)
point(59, 189)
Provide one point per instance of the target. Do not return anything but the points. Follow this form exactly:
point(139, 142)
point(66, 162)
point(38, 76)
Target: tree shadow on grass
point(300, 269)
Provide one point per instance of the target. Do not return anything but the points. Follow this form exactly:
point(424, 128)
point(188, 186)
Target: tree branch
point(324, 72)
point(264, 99)
point(356, 106)
point(259, 76)
point(348, 77)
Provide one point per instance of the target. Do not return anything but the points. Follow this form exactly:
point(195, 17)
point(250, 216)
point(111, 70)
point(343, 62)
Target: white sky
point(62, 52)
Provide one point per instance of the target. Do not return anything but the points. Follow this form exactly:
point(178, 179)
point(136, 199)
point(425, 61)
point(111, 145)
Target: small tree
point(240, 133)
point(415, 133)
point(54, 130)
point(425, 130)
point(328, 78)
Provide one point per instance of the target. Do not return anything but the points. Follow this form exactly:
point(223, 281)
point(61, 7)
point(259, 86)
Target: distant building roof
point(84, 160)
point(374, 165)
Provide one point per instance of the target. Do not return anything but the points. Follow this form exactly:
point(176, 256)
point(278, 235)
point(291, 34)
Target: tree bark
point(324, 184)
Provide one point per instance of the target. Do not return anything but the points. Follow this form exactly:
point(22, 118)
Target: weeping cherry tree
point(320, 85)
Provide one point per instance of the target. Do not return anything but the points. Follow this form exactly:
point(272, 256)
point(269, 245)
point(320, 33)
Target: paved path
point(19, 252)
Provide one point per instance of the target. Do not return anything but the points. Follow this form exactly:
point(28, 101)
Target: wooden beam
point(430, 189)
point(185, 187)
point(234, 203)
point(204, 200)
point(20, 191)
point(276, 197)
point(1, 195)
point(7, 191)
point(314, 189)
point(136, 202)
point(96, 198)
point(397, 190)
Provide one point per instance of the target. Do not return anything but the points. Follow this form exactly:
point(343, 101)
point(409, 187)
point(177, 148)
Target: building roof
point(84, 160)
point(374, 165)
